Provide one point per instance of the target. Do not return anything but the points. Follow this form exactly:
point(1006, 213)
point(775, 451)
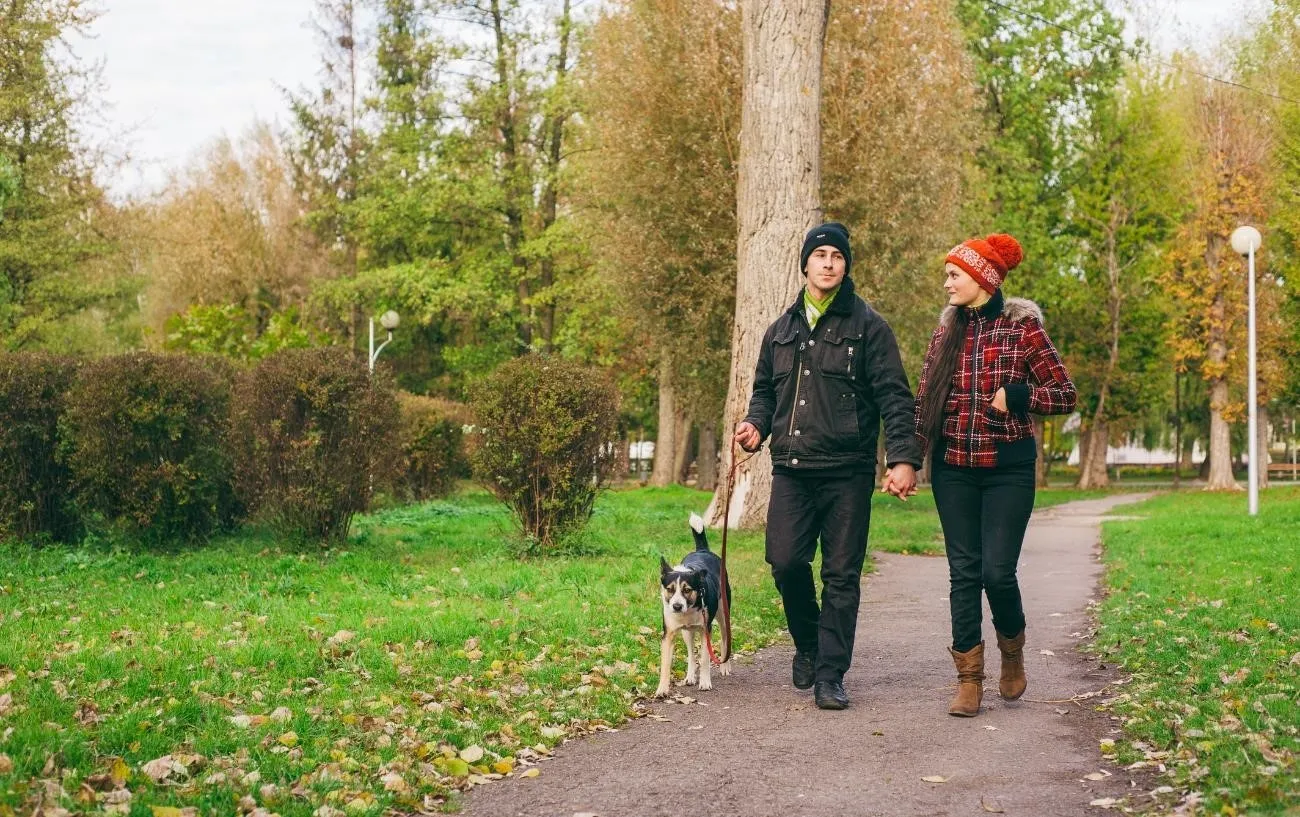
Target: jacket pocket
point(840, 355)
point(846, 417)
point(784, 352)
point(998, 422)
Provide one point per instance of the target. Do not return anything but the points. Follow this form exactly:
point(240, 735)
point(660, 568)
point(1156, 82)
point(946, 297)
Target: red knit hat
point(987, 260)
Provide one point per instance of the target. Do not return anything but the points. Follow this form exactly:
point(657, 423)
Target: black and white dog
point(691, 594)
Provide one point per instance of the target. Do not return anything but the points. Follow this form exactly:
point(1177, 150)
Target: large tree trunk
point(706, 477)
point(682, 454)
point(664, 470)
point(1220, 455)
point(1092, 456)
point(1040, 444)
point(778, 198)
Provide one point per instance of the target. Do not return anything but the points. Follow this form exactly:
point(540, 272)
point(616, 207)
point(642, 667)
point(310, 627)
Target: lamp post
point(389, 321)
point(1245, 240)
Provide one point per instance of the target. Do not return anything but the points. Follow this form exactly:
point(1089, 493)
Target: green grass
point(1204, 613)
point(352, 678)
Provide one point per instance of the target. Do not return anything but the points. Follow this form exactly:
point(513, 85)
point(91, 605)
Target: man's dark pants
point(984, 512)
point(837, 511)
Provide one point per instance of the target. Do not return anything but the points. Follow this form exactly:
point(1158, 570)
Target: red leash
point(724, 603)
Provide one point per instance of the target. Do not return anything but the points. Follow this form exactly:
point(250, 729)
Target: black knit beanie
point(833, 234)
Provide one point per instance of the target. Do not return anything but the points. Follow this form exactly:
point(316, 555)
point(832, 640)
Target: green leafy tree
point(53, 222)
point(1127, 205)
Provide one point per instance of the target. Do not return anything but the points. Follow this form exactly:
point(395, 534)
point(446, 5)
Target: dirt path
point(755, 746)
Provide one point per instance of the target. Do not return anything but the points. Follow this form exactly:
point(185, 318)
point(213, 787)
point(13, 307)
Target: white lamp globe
point(389, 320)
point(1245, 239)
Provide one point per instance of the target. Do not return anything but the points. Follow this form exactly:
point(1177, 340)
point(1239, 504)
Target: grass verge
point(1203, 611)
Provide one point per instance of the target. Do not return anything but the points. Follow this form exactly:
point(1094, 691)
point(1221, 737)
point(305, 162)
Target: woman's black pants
point(984, 512)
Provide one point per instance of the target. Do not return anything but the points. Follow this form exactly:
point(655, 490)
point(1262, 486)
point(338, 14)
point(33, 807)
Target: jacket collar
point(992, 307)
point(842, 305)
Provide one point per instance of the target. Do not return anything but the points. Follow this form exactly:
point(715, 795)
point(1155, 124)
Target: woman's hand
point(1000, 400)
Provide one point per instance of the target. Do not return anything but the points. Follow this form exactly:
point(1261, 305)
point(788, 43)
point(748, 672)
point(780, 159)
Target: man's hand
point(748, 437)
point(1000, 400)
point(900, 481)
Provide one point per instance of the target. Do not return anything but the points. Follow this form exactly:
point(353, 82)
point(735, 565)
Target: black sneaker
point(805, 669)
point(831, 695)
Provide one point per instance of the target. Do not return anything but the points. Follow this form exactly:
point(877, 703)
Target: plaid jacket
point(1006, 347)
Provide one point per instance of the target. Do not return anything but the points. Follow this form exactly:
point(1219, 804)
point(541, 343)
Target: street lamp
point(1245, 240)
point(389, 321)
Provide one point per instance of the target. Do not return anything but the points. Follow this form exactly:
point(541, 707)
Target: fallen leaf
point(288, 739)
point(6, 764)
point(341, 637)
point(394, 782)
point(992, 808)
point(282, 714)
point(161, 768)
point(6, 703)
point(991, 728)
point(504, 766)
point(165, 811)
point(552, 732)
point(1096, 776)
point(934, 778)
point(533, 772)
point(471, 754)
point(242, 721)
point(1046, 652)
point(1104, 802)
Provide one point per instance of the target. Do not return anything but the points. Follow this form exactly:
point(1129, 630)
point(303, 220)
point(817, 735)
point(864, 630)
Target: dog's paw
point(663, 691)
point(706, 684)
point(688, 681)
point(723, 669)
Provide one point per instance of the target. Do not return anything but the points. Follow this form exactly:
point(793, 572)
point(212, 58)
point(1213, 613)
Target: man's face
point(825, 269)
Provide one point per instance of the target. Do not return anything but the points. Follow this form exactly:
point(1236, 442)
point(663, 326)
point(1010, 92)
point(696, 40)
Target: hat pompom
point(1007, 248)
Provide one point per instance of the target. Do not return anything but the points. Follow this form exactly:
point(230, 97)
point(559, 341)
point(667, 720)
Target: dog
point(691, 595)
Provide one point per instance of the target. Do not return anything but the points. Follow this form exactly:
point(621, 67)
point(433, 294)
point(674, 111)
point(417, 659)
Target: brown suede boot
point(970, 681)
point(1012, 684)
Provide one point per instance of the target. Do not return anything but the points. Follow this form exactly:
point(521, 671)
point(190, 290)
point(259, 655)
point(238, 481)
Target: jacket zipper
point(974, 392)
point(798, 379)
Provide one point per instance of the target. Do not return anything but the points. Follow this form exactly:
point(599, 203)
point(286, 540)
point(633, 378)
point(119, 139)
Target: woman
point(989, 366)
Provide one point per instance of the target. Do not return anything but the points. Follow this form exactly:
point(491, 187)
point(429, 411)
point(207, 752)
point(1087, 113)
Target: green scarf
point(814, 308)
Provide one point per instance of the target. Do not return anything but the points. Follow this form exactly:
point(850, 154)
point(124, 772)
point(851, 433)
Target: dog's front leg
point(706, 664)
point(692, 667)
point(665, 665)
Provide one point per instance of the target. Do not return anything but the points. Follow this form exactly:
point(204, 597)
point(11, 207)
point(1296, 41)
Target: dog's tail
point(697, 528)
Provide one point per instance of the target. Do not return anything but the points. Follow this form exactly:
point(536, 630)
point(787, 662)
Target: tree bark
point(706, 477)
point(778, 198)
point(663, 472)
point(1092, 457)
point(682, 454)
point(554, 130)
point(1261, 445)
point(1220, 477)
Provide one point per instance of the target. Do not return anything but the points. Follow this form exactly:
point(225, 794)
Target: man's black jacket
point(820, 393)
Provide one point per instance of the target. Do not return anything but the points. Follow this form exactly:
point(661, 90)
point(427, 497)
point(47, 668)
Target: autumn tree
point(659, 178)
point(1228, 167)
point(899, 121)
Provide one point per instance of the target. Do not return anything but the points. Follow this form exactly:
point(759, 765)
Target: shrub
point(433, 446)
point(315, 434)
point(547, 430)
point(146, 439)
point(37, 494)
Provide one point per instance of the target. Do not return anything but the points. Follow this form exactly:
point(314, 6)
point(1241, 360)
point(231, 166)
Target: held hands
point(1000, 400)
point(748, 437)
point(899, 481)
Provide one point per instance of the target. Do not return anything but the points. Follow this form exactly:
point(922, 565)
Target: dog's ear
point(664, 567)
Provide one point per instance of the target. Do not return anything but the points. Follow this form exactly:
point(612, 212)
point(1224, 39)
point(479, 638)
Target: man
point(827, 372)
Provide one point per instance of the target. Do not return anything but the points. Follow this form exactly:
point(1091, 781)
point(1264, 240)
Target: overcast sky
point(178, 74)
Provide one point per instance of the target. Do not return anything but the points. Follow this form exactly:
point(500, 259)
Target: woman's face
point(962, 289)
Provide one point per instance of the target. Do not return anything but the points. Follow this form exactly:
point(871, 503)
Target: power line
point(1137, 55)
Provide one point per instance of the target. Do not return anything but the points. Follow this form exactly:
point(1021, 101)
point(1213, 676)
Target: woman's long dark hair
point(939, 377)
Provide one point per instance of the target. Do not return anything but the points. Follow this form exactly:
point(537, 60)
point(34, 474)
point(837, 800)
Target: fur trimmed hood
point(1016, 310)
